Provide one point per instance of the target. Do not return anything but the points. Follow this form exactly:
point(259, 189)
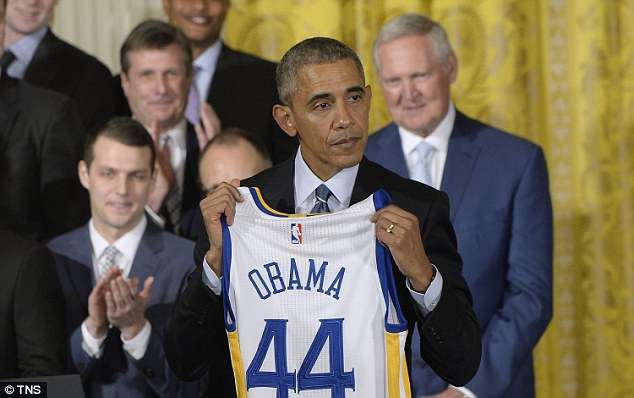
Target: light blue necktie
point(422, 169)
point(322, 194)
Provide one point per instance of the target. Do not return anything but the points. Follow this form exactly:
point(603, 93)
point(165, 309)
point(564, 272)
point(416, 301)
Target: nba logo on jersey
point(296, 234)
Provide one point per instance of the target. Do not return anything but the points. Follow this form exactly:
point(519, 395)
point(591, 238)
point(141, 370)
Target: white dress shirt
point(127, 246)
point(439, 139)
point(24, 50)
point(206, 65)
point(341, 184)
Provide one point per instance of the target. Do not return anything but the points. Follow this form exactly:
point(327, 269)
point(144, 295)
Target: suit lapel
point(81, 274)
point(365, 184)
point(8, 109)
point(146, 261)
point(39, 71)
point(191, 193)
point(391, 154)
point(224, 62)
point(462, 155)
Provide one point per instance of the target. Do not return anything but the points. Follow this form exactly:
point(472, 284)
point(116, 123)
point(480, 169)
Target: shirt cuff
point(427, 301)
point(465, 391)
point(210, 279)
point(91, 345)
point(137, 345)
point(158, 220)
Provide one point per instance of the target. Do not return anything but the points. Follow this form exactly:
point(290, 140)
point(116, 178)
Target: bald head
point(231, 154)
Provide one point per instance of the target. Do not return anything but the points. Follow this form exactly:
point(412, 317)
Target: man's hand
point(97, 321)
point(450, 392)
point(209, 125)
point(125, 305)
point(399, 231)
point(165, 176)
point(221, 200)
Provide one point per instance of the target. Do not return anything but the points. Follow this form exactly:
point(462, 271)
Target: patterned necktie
point(422, 169)
point(107, 260)
point(192, 112)
point(322, 194)
point(6, 60)
point(174, 196)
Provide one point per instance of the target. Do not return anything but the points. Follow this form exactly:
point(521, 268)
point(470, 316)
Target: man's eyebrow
point(316, 97)
point(355, 89)
point(320, 96)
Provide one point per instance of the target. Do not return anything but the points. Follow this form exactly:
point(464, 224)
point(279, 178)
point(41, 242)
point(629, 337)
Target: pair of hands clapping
point(119, 302)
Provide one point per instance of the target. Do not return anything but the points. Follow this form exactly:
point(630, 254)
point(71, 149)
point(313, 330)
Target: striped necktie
point(174, 197)
point(107, 260)
point(322, 194)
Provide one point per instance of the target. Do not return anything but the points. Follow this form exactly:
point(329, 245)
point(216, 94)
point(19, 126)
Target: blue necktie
point(322, 194)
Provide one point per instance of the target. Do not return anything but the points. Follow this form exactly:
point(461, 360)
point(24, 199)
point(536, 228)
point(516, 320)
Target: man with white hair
point(500, 204)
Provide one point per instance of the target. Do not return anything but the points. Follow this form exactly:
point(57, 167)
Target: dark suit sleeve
point(196, 338)
point(516, 327)
point(450, 334)
point(95, 97)
point(64, 204)
point(39, 316)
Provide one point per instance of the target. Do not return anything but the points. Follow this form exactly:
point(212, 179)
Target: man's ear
point(125, 83)
point(452, 67)
point(284, 118)
point(82, 170)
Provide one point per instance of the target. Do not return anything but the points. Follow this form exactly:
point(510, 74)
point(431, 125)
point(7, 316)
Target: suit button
point(149, 372)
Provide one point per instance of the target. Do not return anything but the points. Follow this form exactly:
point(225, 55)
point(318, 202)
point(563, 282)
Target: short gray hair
point(312, 51)
point(411, 24)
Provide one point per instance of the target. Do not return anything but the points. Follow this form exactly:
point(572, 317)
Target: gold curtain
point(561, 73)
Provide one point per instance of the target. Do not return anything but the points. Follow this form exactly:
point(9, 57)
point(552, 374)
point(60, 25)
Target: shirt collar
point(127, 244)
point(306, 181)
point(24, 49)
point(439, 138)
point(178, 134)
point(207, 59)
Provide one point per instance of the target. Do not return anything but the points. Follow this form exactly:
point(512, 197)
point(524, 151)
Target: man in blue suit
point(120, 273)
point(500, 203)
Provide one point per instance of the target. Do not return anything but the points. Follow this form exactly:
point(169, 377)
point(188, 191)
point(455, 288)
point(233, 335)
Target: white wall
point(100, 26)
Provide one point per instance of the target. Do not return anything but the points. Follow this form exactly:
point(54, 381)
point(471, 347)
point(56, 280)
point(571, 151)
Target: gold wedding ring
point(389, 229)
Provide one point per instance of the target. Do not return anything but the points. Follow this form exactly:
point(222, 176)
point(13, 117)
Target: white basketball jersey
point(311, 308)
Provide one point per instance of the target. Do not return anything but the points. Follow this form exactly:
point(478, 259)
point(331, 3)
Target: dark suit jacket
point(61, 67)
point(32, 339)
point(116, 374)
point(242, 92)
point(39, 151)
point(451, 337)
point(500, 207)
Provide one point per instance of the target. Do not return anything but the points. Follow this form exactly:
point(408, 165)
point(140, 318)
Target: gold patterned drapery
point(561, 73)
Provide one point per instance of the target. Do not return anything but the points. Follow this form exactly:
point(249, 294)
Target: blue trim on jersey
point(230, 319)
point(381, 199)
point(385, 264)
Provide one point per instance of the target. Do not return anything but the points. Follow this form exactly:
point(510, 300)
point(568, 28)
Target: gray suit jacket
point(116, 374)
